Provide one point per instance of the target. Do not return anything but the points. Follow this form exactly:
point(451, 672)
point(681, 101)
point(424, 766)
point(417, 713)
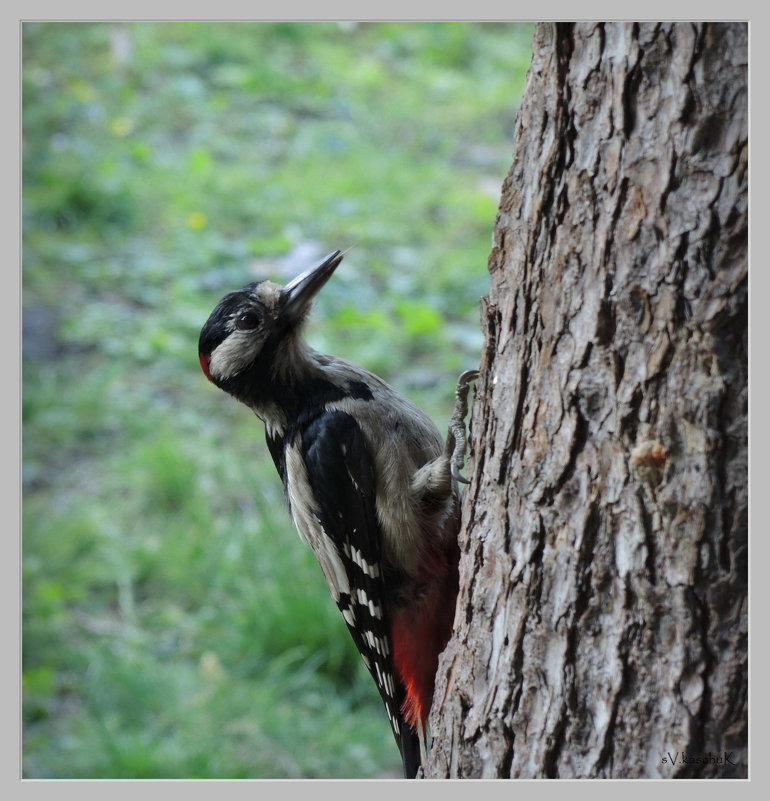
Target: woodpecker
point(370, 486)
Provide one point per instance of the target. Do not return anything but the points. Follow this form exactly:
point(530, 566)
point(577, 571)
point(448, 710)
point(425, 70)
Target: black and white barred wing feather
point(330, 484)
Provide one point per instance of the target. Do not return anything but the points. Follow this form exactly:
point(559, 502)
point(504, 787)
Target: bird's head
point(249, 327)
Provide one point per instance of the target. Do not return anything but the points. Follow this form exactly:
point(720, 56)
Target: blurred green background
point(173, 623)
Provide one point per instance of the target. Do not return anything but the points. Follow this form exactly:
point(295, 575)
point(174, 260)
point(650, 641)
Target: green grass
point(173, 623)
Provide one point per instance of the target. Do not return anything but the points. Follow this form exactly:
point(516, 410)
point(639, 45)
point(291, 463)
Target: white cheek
point(235, 354)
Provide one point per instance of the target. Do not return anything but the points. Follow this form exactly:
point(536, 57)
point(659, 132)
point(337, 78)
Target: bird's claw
point(457, 431)
point(457, 475)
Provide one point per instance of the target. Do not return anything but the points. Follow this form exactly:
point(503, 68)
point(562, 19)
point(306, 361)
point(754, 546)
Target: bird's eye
point(248, 320)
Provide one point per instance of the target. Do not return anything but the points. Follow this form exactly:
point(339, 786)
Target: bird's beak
point(300, 291)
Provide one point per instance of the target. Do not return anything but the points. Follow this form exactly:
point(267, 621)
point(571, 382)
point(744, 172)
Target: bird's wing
point(330, 484)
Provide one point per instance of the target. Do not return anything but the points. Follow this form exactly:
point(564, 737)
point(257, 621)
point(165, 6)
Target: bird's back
point(400, 439)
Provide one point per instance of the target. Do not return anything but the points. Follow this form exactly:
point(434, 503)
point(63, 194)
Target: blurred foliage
point(173, 624)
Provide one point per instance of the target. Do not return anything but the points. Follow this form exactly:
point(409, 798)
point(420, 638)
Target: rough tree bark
point(601, 628)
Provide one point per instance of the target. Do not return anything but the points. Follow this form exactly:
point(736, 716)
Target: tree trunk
point(601, 628)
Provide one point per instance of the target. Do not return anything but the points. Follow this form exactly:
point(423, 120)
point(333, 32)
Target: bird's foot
point(457, 437)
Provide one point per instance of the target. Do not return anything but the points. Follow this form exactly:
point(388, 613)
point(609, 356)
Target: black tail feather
point(410, 751)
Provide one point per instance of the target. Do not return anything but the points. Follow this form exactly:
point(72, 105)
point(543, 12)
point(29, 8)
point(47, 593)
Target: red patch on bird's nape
point(205, 359)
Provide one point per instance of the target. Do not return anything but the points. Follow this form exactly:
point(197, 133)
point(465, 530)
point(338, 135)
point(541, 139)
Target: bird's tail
point(410, 751)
